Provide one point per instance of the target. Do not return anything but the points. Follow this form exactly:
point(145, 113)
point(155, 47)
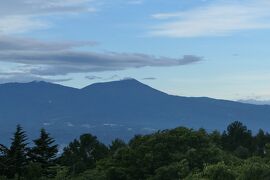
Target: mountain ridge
point(115, 109)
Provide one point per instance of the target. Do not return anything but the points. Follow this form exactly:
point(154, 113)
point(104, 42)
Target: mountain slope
point(115, 109)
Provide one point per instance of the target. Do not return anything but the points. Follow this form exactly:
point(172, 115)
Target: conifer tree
point(18, 154)
point(44, 152)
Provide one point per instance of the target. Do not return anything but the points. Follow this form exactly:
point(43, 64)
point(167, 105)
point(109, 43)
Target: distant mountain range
point(114, 109)
point(255, 101)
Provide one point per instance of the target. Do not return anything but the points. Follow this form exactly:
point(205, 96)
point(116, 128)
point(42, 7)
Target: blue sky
point(212, 48)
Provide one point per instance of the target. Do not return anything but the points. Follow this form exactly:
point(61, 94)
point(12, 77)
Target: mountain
point(115, 109)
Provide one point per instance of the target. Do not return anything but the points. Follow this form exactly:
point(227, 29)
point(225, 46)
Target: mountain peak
point(39, 83)
point(127, 82)
point(34, 85)
point(129, 79)
point(27, 83)
point(125, 86)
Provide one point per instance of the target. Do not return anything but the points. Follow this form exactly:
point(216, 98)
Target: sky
point(214, 48)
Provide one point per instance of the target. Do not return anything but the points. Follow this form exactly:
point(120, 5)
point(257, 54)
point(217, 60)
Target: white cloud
point(10, 43)
point(20, 24)
point(18, 16)
point(41, 7)
point(219, 19)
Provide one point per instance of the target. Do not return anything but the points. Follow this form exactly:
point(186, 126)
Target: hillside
point(115, 109)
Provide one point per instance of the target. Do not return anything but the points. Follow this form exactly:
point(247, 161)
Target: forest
point(180, 153)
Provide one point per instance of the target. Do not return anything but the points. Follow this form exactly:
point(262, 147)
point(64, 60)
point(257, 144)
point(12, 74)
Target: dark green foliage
point(117, 173)
point(216, 138)
point(3, 160)
point(267, 151)
point(184, 153)
point(180, 153)
point(82, 154)
point(219, 171)
point(116, 145)
point(17, 155)
point(22, 162)
point(254, 169)
point(173, 171)
point(260, 140)
point(237, 135)
point(33, 171)
point(241, 152)
point(175, 152)
point(44, 153)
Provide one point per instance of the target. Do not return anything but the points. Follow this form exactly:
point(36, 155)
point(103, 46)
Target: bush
point(219, 171)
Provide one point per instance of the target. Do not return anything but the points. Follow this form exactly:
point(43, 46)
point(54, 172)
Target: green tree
point(116, 144)
point(174, 171)
point(260, 141)
point(215, 137)
point(83, 154)
point(33, 171)
point(241, 152)
point(254, 169)
point(219, 171)
point(237, 135)
point(267, 151)
point(18, 154)
point(44, 152)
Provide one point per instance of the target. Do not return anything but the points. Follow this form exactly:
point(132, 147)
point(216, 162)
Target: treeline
point(180, 153)
point(20, 161)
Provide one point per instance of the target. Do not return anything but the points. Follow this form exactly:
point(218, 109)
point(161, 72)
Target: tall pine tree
point(17, 154)
point(44, 152)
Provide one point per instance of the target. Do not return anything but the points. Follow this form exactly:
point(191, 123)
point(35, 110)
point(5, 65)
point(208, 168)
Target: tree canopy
point(180, 153)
